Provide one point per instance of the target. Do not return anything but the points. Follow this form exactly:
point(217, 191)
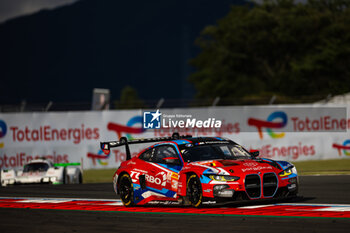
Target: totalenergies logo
point(128, 129)
point(345, 148)
point(100, 157)
point(3, 131)
point(270, 124)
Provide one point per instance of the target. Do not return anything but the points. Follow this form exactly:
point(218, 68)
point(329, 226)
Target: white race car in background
point(44, 171)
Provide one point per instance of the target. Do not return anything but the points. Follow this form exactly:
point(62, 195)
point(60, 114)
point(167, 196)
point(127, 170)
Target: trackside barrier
point(285, 132)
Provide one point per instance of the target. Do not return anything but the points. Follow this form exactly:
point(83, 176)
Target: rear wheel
point(126, 190)
point(80, 178)
point(194, 191)
point(65, 180)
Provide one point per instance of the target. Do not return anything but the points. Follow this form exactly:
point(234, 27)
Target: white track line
point(118, 202)
point(60, 199)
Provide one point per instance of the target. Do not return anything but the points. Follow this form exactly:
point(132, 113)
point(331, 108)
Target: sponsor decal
point(270, 124)
point(158, 179)
point(258, 168)
point(344, 148)
point(250, 164)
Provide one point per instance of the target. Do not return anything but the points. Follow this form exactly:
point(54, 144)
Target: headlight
point(53, 179)
point(46, 179)
point(286, 172)
point(223, 178)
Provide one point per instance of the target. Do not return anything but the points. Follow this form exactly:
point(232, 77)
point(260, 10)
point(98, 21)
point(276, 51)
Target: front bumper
point(223, 190)
point(251, 187)
point(32, 180)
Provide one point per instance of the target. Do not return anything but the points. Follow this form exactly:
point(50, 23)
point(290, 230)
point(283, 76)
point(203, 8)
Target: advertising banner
point(283, 132)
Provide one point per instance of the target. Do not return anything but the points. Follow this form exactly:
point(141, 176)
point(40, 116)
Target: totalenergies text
point(46, 133)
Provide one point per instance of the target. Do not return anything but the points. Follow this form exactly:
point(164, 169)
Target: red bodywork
point(166, 182)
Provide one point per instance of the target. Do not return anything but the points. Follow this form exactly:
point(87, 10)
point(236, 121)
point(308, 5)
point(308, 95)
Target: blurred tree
point(129, 99)
point(276, 48)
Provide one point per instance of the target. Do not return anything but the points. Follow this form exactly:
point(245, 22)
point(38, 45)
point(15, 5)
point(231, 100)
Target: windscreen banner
point(282, 132)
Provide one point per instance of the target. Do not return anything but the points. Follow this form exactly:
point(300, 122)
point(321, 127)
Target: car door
point(164, 169)
point(143, 167)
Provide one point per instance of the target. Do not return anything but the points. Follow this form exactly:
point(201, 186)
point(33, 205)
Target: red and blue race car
point(193, 170)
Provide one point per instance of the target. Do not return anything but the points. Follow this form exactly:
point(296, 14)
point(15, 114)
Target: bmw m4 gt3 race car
point(43, 171)
point(192, 170)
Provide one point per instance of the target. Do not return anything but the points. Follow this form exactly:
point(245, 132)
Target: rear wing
point(71, 165)
point(66, 164)
point(123, 141)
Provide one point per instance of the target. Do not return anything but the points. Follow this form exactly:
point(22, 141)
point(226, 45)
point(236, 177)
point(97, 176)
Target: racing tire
point(295, 192)
point(65, 175)
point(80, 178)
point(126, 190)
point(194, 191)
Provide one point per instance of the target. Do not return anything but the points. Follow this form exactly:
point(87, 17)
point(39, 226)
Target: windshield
point(215, 151)
point(36, 167)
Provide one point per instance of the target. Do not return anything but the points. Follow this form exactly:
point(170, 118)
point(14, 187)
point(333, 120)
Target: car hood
point(235, 167)
point(32, 174)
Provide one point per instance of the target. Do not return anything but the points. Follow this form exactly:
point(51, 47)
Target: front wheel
point(126, 190)
point(194, 191)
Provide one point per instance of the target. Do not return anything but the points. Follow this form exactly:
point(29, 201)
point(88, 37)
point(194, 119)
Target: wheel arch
point(189, 196)
point(183, 180)
point(118, 179)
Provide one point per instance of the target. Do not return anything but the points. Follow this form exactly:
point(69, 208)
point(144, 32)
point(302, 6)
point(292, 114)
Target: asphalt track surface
point(313, 189)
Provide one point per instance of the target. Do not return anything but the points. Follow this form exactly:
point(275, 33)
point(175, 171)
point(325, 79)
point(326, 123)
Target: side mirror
point(254, 153)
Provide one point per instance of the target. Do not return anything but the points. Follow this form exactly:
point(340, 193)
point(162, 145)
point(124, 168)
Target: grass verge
point(315, 167)
point(99, 176)
point(323, 167)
